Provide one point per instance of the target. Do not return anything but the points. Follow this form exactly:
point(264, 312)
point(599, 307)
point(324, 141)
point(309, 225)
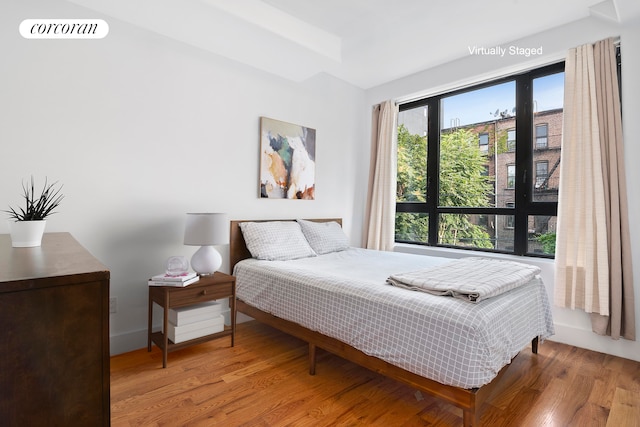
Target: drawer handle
point(204, 292)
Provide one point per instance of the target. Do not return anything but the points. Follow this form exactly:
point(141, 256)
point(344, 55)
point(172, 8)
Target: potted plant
point(27, 224)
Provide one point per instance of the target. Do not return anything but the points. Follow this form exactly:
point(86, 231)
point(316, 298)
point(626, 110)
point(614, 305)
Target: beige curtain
point(593, 252)
point(381, 197)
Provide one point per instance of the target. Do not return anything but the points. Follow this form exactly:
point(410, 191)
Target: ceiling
point(364, 42)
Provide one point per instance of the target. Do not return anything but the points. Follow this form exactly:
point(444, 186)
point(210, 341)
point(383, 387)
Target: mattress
point(344, 295)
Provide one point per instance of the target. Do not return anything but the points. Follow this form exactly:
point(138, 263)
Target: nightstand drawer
point(199, 293)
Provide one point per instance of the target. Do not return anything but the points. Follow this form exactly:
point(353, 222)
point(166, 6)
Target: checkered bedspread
point(472, 279)
point(344, 295)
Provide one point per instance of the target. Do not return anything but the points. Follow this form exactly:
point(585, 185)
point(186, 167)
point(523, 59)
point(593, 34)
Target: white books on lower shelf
point(178, 334)
point(194, 313)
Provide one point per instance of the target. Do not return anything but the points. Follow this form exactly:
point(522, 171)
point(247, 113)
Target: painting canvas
point(287, 160)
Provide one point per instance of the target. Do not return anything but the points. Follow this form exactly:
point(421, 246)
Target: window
point(472, 179)
point(484, 142)
point(541, 136)
point(511, 176)
point(542, 169)
point(508, 222)
point(511, 140)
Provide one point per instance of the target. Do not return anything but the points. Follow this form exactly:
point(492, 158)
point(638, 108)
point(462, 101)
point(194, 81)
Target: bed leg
point(312, 359)
point(469, 418)
point(534, 345)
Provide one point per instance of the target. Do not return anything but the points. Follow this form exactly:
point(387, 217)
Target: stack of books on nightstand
point(195, 321)
point(179, 281)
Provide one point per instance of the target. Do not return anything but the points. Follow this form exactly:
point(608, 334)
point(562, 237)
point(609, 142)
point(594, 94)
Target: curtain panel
point(593, 252)
point(381, 197)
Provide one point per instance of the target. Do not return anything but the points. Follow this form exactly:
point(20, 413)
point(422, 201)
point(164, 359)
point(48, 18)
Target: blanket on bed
point(471, 279)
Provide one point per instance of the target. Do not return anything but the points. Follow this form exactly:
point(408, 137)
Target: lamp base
point(206, 261)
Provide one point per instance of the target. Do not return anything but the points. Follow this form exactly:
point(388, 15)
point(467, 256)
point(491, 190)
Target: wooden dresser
point(54, 326)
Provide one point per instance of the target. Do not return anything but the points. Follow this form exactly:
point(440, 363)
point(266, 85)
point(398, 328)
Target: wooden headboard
point(238, 249)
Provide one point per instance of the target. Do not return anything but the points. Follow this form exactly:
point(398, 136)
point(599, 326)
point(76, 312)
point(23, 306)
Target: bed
point(339, 301)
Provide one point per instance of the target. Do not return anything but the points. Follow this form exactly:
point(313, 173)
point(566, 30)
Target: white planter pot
point(26, 234)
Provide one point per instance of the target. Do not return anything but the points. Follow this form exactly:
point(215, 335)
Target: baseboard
point(135, 340)
point(129, 341)
point(584, 338)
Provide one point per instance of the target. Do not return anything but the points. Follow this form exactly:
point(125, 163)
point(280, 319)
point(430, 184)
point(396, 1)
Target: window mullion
point(524, 149)
point(433, 172)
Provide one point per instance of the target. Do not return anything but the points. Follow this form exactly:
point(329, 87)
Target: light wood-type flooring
point(263, 381)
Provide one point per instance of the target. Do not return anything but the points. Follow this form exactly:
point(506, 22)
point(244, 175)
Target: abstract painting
point(287, 160)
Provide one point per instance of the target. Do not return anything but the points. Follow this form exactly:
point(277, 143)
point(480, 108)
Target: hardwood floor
point(263, 381)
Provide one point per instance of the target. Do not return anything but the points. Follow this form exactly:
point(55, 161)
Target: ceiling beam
point(283, 24)
point(606, 10)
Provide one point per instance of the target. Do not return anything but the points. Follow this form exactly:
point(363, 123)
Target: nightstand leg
point(165, 323)
point(150, 322)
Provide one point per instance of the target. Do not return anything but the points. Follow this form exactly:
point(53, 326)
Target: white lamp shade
point(203, 229)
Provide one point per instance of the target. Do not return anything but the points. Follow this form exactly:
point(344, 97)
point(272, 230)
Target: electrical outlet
point(113, 305)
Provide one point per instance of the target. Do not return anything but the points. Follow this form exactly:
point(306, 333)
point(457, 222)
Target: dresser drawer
point(199, 293)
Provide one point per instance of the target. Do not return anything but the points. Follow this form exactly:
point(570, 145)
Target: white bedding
point(472, 279)
point(344, 295)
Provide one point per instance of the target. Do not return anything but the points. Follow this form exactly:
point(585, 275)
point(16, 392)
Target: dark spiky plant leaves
point(37, 207)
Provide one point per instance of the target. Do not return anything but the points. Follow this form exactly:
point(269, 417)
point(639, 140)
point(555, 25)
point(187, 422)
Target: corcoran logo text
point(64, 28)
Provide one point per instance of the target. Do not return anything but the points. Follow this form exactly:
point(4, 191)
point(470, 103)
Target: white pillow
point(324, 237)
point(275, 240)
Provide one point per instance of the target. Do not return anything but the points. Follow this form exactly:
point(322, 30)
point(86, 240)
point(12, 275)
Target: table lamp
point(206, 230)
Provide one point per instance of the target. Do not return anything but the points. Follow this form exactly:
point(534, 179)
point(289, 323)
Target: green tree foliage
point(412, 167)
point(463, 182)
point(411, 184)
point(548, 241)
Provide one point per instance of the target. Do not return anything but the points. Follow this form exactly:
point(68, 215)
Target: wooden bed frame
point(469, 400)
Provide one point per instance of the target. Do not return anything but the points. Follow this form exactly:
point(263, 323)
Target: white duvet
point(344, 295)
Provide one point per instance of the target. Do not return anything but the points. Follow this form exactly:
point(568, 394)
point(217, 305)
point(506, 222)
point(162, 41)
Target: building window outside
point(471, 191)
point(483, 142)
point(542, 132)
point(511, 176)
point(511, 140)
point(508, 222)
point(542, 174)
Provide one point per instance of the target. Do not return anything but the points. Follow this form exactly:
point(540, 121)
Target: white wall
point(141, 129)
point(572, 327)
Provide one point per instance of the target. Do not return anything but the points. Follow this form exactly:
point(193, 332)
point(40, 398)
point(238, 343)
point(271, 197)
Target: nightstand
point(208, 288)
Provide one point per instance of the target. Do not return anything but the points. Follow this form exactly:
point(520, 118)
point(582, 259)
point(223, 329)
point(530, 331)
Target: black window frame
point(525, 206)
